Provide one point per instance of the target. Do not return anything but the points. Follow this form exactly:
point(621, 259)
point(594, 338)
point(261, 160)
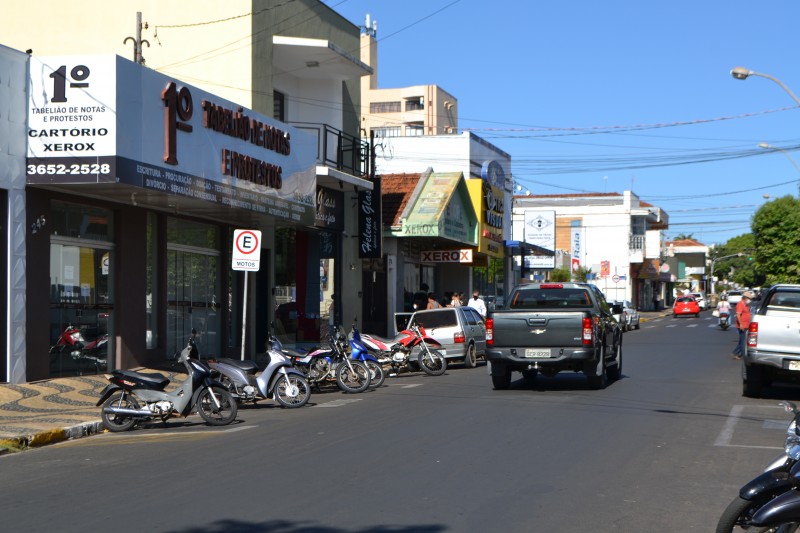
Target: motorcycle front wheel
point(352, 378)
point(116, 422)
point(213, 415)
point(292, 391)
point(376, 374)
point(432, 362)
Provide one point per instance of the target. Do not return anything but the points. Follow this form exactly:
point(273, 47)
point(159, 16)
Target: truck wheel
point(596, 375)
point(614, 372)
point(753, 385)
point(501, 381)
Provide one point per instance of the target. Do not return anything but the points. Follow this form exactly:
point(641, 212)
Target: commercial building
point(137, 177)
point(617, 236)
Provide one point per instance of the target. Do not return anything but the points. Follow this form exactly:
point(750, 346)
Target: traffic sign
point(615, 278)
point(246, 253)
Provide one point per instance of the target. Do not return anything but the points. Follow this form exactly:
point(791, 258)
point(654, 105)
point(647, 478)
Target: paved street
point(663, 449)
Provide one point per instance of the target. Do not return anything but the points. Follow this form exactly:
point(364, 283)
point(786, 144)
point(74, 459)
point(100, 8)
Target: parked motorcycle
point(723, 321)
point(329, 363)
point(782, 513)
point(400, 351)
point(359, 352)
point(279, 381)
point(772, 482)
point(133, 396)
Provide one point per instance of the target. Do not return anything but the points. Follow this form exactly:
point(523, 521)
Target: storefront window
point(327, 293)
point(193, 287)
point(81, 290)
point(286, 313)
point(151, 283)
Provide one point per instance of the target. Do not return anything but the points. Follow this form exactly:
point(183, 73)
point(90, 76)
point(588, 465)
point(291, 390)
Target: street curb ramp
point(52, 436)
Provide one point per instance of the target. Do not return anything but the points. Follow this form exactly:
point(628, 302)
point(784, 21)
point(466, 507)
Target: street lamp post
point(741, 73)
point(767, 146)
point(714, 259)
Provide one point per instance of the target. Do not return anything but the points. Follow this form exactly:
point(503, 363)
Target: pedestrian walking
point(456, 301)
point(477, 303)
point(432, 303)
point(743, 318)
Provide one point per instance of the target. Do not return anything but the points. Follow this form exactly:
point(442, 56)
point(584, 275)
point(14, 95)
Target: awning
point(441, 208)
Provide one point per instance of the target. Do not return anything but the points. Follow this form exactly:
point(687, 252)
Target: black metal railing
point(339, 150)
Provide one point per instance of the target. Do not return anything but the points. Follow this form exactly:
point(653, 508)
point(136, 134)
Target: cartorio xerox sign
point(95, 119)
point(447, 256)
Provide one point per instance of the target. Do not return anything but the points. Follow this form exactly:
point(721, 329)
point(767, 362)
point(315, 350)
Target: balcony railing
point(339, 150)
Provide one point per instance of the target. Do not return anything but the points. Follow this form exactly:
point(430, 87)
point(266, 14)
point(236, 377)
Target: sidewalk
point(53, 410)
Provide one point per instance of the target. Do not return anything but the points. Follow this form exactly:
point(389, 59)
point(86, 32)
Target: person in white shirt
point(477, 304)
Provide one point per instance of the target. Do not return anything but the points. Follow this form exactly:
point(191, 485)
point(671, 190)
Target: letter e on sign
point(246, 254)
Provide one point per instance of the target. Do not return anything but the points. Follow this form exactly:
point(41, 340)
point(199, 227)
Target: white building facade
point(617, 236)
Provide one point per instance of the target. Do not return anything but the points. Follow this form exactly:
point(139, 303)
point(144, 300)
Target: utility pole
point(137, 41)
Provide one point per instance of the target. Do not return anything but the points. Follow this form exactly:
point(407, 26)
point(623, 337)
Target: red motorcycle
point(71, 353)
point(399, 352)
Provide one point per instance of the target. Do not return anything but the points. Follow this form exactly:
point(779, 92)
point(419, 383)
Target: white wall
point(13, 148)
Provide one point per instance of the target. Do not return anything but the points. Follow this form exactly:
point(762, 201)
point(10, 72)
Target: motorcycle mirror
point(788, 406)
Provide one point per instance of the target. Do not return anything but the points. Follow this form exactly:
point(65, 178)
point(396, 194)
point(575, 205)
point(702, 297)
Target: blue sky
point(593, 96)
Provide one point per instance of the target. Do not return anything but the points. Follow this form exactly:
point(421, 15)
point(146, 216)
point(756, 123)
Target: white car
point(701, 299)
point(734, 297)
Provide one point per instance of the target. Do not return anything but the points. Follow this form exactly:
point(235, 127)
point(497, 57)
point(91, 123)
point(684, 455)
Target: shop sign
point(540, 231)
point(576, 246)
point(104, 119)
point(447, 256)
point(370, 234)
point(246, 253)
point(330, 209)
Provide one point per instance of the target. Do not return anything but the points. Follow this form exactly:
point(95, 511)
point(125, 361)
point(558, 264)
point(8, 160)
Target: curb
point(52, 436)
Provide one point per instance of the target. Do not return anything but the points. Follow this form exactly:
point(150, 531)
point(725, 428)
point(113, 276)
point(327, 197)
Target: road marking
point(338, 403)
point(411, 385)
point(726, 435)
point(692, 325)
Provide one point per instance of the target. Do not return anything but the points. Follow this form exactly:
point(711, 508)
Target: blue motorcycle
point(359, 352)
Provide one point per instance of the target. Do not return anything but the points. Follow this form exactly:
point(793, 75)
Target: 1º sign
point(246, 254)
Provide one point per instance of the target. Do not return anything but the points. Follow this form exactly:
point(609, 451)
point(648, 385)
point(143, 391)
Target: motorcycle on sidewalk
point(410, 350)
point(359, 352)
point(775, 480)
point(133, 397)
point(329, 363)
point(279, 380)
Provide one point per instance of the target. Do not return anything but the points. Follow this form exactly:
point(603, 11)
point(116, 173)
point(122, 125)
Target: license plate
point(794, 365)
point(537, 353)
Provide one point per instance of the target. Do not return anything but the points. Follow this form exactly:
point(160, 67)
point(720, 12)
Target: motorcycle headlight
point(793, 451)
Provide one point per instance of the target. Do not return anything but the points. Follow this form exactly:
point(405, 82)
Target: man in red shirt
point(743, 317)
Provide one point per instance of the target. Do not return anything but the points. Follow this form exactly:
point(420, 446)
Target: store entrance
point(192, 299)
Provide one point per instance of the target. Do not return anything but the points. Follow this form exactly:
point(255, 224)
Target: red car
point(685, 305)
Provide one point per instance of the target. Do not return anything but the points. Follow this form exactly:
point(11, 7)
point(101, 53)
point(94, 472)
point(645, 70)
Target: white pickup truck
point(773, 340)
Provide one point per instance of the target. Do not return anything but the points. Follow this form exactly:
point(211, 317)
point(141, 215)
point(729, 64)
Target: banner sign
point(540, 230)
point(370, 231)
point(104, 119)
point(447, 256)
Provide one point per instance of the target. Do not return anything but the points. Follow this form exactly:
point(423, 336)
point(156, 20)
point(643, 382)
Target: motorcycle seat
point(150, 380)
point(294, 353)
point(247, 365)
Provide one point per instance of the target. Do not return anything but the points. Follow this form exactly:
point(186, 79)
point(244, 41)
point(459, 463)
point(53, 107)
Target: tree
point(581, 274)
point(776, 232)
point(684, 236)
point(739, 269)
point(560, 274)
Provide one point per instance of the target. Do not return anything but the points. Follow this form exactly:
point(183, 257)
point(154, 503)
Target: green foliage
point(560, 274)
point(683, 236)
point(581, 274)
point(776, 230)
point(738, 269)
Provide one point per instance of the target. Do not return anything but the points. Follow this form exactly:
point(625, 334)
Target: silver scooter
point(279, 380)
point(136, 396)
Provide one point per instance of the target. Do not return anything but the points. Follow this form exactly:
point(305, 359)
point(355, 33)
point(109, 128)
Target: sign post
point(246, 256)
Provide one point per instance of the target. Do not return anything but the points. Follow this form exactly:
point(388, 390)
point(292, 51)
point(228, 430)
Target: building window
point(393, 131)
point(384, 107)
point(278, 106)
point(81, 289)
point(414, 130)
point(416, 104)
point(151, 282)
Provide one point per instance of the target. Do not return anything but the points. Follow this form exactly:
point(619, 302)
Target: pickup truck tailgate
point(521, 329)
point(779, 331)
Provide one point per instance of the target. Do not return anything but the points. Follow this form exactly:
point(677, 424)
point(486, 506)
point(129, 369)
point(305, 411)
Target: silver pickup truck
point(550, 327)
point(773, 340)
